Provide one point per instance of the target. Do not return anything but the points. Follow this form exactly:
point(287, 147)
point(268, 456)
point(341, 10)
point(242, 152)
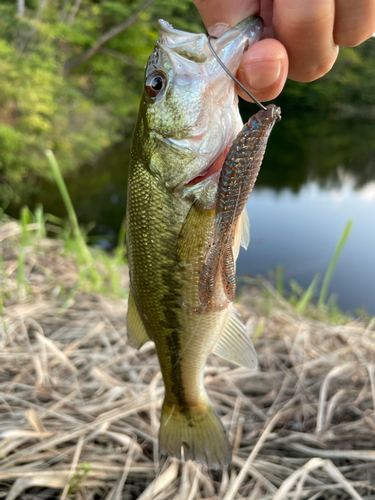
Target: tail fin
point(199, 432)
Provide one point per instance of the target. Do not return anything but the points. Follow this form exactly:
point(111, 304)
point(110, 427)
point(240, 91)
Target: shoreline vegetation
point(71, 74)
point(80, 408)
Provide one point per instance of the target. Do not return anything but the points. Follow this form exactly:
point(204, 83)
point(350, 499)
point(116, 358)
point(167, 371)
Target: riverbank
point(80, 408)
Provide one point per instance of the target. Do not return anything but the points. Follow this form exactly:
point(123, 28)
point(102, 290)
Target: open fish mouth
point(209, 171)
point(210, 135)
point(202, 188)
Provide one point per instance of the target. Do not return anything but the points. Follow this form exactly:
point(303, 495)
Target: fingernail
point(262, 75)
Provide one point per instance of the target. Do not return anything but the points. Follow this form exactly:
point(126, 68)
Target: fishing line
point(209, 37)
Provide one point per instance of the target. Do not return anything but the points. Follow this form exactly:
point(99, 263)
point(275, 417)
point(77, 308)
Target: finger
point(263, 70)
point(354, 21)
point(266, 13)
point(305, 28)
point(225, 12)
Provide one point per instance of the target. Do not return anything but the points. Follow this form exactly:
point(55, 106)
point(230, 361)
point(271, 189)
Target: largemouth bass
point(187, 121)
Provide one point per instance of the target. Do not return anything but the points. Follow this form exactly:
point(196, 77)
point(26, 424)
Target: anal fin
point(137, 335)
point(235, 345)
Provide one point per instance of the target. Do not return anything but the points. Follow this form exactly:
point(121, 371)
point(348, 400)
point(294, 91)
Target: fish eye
point(155, 83)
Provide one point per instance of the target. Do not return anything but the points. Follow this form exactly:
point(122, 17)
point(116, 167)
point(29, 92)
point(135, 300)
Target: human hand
point(300, 39)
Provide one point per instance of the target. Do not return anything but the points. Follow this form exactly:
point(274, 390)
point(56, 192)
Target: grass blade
point(81, 244)
point(280, 280)
point(64, 192)
point(120, 250)
point(40, 220)
point(25, 220)
point(307, 295)
point(333, 263)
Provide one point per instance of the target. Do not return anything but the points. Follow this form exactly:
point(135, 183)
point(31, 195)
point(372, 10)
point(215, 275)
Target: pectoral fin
point(235, 345)
point(195, 234)
point(137, 335)
point(241, 234)
point(245, 229)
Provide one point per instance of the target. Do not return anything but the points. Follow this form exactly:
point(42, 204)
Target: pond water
point(318, 172)
point(301, 230)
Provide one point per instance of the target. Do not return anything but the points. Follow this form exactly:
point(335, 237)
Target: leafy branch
point(116, 30)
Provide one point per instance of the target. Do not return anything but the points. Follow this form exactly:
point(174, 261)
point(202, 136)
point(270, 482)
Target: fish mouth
point(210, 171)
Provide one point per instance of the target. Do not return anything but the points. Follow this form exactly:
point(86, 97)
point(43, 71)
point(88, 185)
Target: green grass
point(280, 280)
point(25, 221)
point(332, 265)
point(5, 289)
point(307, 296)
point(98, 271)
point(85, 258)
point(88, 260)
point(302, 300)
point(78, 477)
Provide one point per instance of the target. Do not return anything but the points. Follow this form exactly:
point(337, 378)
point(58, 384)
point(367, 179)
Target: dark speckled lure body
point(239, 173)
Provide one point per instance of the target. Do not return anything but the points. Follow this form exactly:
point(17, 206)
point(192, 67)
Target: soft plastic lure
point(237, 179)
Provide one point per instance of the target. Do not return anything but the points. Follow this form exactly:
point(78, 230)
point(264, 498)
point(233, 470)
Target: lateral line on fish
point(191, 336)
point(212, 306)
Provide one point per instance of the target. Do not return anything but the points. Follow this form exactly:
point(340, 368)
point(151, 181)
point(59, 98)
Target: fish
point(187, 122)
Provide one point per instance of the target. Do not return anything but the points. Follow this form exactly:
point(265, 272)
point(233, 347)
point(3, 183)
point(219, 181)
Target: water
point(300, 232)
point(318, 172)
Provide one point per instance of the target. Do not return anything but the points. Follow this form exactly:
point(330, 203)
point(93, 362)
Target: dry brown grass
point(79, 408)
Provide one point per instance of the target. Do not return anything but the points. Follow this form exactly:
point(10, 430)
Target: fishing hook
point(209, 37)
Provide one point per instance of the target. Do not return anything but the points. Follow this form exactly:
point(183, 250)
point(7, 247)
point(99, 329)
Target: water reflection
point(300, 232)
point(309, 146)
